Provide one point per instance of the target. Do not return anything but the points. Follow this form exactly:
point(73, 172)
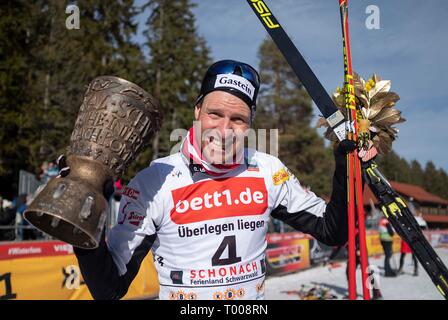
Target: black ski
point(404, 223)
point(392, 205)
point(331, 113)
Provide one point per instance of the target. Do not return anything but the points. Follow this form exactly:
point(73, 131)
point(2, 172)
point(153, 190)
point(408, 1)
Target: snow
point(403, 287)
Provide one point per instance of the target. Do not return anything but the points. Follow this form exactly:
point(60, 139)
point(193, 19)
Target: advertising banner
point(437, 238)
point(287, 252)
point(48, 270)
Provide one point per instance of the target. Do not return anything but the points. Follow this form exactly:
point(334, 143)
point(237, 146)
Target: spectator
point(27, 231)
point(118, 189)
point(43, 171)
point(53, 170)
point(405, 249)
point(7, 219)
point(386, 234)
point(48, 170)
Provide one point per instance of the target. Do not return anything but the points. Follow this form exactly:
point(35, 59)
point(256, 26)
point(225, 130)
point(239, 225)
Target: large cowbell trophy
point(116, 120)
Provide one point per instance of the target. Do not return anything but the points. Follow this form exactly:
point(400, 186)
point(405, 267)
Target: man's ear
point(197, 110)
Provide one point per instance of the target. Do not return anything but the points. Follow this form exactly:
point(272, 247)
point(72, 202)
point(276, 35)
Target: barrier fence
point(49, 269)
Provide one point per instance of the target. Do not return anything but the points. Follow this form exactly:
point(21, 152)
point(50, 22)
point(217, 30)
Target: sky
point(410, 49)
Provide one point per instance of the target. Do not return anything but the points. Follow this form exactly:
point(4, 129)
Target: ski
point(404, 223)
point(334, 117)
point(392, 205)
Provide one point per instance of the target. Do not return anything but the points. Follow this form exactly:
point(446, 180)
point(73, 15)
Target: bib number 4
point(230, 243)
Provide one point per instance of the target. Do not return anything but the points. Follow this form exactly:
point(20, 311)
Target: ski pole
point(350, 195)
point(355, 179)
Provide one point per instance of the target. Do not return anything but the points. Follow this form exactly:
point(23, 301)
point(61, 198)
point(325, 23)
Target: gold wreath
point(376, 103)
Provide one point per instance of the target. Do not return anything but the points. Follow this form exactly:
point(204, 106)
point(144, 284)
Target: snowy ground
point(403, 287)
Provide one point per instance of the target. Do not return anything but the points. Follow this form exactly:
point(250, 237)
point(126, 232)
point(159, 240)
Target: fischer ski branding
point(331, 113)
point(264, 14)
point(392, 205)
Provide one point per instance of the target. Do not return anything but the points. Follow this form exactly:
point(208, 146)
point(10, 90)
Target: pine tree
point(444, 184)
point(56, 66)
point(284, 104)
point(433, 180)
point(179, 59)
point(395, 168)
point(417, 173)
point(69, 59)
point(15, 24)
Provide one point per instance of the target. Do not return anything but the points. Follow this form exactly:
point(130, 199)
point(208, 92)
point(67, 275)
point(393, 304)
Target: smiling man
point(204, 211)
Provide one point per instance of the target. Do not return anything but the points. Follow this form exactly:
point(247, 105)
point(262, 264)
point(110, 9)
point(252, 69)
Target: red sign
point(219, 198)
point(34, 249)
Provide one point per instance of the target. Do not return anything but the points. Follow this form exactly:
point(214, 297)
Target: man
point(7, 221)
point(386, 236)
point(204, 211)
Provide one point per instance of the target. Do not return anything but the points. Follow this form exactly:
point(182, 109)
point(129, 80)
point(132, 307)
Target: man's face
point(224, 120)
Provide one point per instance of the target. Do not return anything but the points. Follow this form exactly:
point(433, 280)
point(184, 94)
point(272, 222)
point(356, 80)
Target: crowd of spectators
point(13, 227)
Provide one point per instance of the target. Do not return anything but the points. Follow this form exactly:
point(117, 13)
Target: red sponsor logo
point(35, 249)
point(220, 198)
point(135, 219)
point(131, 216)
point(224, 271)
point(131, 193)
point(63, 248)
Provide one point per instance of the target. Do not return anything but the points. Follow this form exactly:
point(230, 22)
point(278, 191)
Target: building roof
point(418, 193)
point(409, 190)
point(369, 197)
point(435, 218)
point(405, 189)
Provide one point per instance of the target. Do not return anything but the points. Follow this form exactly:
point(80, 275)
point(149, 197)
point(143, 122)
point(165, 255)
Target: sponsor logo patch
point(131, 216)
point(240, 293)
point(229, 294)
point(192, 296)
point(236, 82)
point(218, 296)
point(131, 193)
point(172, 295)
point(176, 277)
point(280, 176)
point(220, 198)
point(182, 295)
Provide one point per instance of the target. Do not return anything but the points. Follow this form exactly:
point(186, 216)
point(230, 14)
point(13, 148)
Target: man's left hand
point(346, 146)
point(369, 153)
